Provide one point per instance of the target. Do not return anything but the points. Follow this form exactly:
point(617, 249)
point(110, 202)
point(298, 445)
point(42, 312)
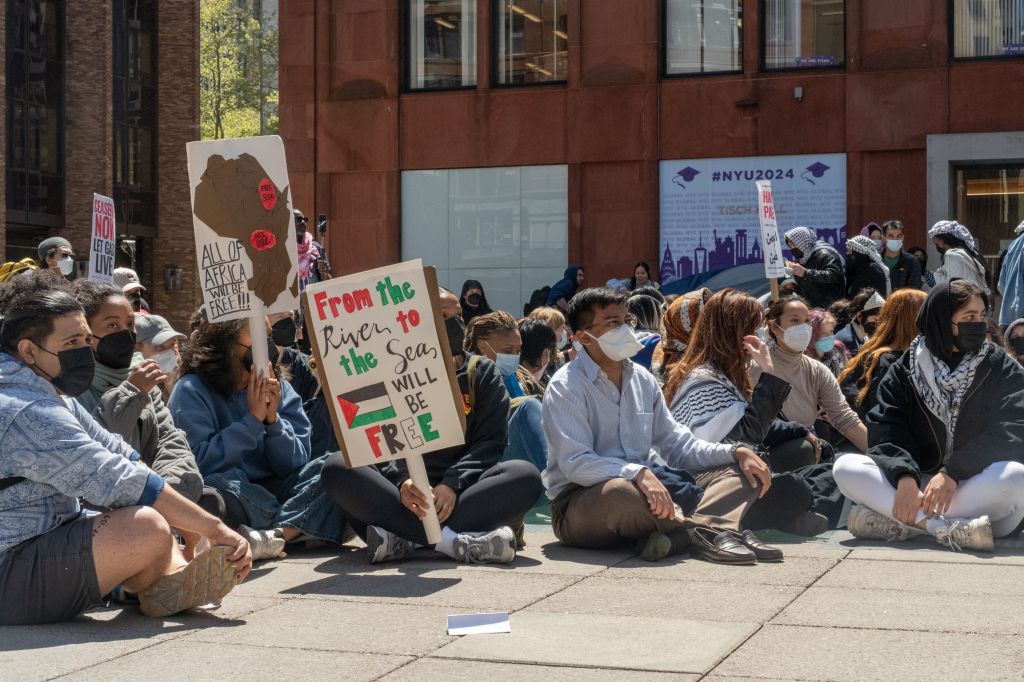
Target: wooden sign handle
point(418, 474)
point(774, 283)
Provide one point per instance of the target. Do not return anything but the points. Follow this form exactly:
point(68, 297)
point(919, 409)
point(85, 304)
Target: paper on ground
point(479, 624)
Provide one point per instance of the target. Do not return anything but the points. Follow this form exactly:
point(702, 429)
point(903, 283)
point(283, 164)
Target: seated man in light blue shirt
point(608, 431)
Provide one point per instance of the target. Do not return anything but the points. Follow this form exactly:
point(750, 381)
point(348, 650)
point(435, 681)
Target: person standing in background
point(904, 269)
point(56, 254)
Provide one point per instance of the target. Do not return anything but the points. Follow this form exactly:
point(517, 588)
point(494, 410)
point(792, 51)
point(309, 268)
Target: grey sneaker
point(961, 534)
point(383, 545)
point(868, 524)
point(265, 544)
point(495, 547)
point(205, 580)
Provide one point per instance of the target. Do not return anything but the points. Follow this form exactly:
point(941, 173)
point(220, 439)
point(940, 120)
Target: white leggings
point(998, 491)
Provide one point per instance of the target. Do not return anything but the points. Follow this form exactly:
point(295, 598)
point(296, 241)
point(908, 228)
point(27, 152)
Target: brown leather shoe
point(763, 552)
point(720, 547)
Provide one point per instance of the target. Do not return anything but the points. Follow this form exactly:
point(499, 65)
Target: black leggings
point(501, 497)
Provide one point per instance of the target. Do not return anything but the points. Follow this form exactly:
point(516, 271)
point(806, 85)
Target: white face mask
point(66, 265)
point(798, 337)
point(618, 344)
point(167, 359)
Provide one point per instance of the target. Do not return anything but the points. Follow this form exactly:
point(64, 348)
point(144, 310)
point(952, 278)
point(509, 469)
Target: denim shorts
point(51, 577)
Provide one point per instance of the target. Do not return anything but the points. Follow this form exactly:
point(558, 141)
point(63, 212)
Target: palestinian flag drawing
point(366, 405)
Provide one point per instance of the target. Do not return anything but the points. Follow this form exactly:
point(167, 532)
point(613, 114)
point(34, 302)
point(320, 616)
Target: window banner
point(710, 226)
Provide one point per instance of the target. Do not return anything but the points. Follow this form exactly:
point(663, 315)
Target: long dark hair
point(632, 278)
point(956, 243)
point(210, 354)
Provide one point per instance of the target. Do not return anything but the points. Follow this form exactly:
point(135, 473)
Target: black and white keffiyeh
point(806, 240)
point(941, 389)
point(708, 403)
point(954, 228)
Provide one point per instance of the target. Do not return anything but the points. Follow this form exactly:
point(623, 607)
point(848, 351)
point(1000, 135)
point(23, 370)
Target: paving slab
point(934, 554)
point(629, 642)
point(900, 610)
point(804, 653)
point(792, 571)
point(740, 602)
point(174, 660)
point(963, 579)
point(397, 629)
point(474, 671)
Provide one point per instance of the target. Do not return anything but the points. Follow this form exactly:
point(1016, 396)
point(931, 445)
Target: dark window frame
point(405, 15)
point(951, 37)
point(495, 28)
point(663, 32)
point(763, 30)
point(23, 216)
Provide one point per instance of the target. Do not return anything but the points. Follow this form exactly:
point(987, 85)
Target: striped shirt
point(596, 432)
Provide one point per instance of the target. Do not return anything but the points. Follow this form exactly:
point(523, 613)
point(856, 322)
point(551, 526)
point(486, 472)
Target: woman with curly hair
point(250, 437)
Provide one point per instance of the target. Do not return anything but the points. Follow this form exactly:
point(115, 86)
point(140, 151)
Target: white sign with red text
point(103, 240)
point(774, 265)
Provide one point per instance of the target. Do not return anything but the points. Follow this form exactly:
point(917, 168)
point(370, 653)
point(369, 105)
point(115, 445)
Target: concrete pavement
point(836, 609)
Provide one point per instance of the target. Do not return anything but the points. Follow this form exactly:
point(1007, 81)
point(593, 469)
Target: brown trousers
point(616, 512)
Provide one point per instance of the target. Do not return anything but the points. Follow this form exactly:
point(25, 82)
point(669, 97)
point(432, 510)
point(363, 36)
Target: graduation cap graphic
point(366, 405)
point(686, 175)
point(817, 169)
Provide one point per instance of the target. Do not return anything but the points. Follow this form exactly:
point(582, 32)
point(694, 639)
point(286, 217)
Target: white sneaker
point(961, 534)
point(495, 547)
point(265, 544)
point(868, 524)
point(383, 545)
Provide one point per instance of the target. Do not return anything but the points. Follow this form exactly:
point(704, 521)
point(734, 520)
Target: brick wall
point(178, 124)
point(3, 138)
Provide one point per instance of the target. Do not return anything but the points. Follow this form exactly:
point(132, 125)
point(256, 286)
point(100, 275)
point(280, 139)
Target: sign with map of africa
point(244, 231)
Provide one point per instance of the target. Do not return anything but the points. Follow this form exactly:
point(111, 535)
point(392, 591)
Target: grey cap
point(155, 330)
point(48, 245)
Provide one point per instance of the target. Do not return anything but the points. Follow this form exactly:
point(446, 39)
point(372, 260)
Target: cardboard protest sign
point(774, 265)
point(102, 243)
point(244, 231)
point(386, 369)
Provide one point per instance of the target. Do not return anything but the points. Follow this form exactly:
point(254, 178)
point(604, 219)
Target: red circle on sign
point(262, 240)
point(268, 195)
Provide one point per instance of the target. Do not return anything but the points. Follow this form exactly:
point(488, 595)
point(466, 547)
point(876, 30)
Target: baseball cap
point(127, 280)
point(155, 330)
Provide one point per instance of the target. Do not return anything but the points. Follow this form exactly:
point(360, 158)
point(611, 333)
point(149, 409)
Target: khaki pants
point(615, 512)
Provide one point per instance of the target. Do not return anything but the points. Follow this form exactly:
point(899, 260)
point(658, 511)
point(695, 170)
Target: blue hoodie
point(62, 454)
point(224, 435)
point(565, 287)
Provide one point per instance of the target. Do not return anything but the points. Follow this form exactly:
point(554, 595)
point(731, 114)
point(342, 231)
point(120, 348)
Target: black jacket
point(904, 437)
point(486, 435)
point(870, 275)
point(906, 274)
point(825, 280)
point(855, 381)
point(760, 424)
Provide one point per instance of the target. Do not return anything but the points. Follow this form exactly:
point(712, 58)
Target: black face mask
point(456, 331)
point(474, 300)
point(283, 332)
point(116, 350)
point(1017, 345)
point(271, 353)
point(870, 327)
point(77, 369)
point(797, 253)
point(970, 337)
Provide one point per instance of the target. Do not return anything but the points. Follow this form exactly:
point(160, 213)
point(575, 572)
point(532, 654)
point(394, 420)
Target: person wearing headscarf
point(873, 231)
point(309, 251)
point(1014, 338)
point(473, 301)
point(939, 460)
point(819, 271)
point(863, 314)
point(565, 288)
point(1011, 280)
point(960, 259)
point(678, 323)
point(864, 267)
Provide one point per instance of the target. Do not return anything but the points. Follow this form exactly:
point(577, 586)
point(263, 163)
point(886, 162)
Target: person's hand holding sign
point(444, 501)
point(256, 396)
point(798, 270)
point(273, 396)
point(413, 499)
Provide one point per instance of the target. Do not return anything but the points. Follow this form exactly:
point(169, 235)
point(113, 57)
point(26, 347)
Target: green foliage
point(238, 61)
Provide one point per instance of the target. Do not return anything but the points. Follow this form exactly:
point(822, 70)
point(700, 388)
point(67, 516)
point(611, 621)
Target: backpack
point(10, 269)
point(538, 299)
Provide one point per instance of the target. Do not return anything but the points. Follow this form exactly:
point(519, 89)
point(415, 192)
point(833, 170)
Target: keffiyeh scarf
point(806, 239)
point(308, 254)
point(954, 228)
point(942, 389)
point(708, 403)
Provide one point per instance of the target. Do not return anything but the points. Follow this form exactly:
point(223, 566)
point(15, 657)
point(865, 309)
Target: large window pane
point(531, 41)
point(991, 205)
point(703, 36)
point(988, 28)
point(442, 44)
point(803, 34)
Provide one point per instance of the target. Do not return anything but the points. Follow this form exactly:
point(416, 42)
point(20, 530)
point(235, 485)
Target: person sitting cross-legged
point(56, 559)
point(608, 430)
point(477, 496)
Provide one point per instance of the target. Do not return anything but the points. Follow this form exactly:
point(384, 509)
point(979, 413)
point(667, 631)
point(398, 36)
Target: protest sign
point(386, 368)
point(102, 243)
point(774, 266)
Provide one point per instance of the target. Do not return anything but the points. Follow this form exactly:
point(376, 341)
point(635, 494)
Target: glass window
point(703, 36)
point(988, 28)
point(990, 202)
point(441, 45)
point(804, 34)
point(531, 41)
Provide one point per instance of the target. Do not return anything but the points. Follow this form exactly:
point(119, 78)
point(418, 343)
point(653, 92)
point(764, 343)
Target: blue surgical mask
point(894, 244)
point(825, 344)
point(762, 334)
point(507, 363)
point(877, 243)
